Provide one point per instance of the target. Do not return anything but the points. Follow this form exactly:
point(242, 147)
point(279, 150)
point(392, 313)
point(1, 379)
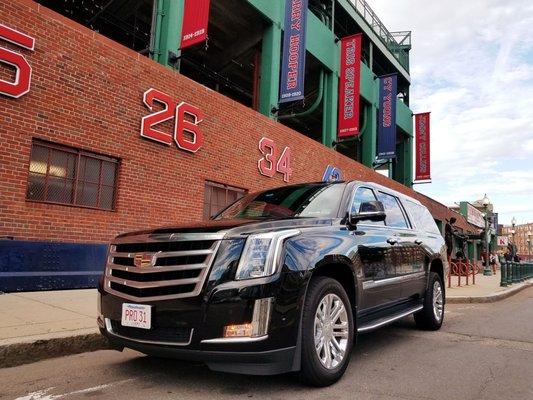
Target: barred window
point(217, 196)
point(64, 175)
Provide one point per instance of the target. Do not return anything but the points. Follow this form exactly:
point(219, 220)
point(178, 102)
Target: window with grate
point(217, 196)
point(64, 175)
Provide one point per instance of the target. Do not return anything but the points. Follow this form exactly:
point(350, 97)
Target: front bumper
point(200, 323)
point(269, 362)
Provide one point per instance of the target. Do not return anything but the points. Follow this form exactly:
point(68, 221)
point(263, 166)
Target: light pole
point(486, 203)
point(513, 224)
point(529, 245)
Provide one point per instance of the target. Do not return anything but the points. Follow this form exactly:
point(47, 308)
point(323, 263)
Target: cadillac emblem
point(143, 260)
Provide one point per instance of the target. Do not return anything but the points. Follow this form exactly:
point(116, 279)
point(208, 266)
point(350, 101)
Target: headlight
point(261, 253)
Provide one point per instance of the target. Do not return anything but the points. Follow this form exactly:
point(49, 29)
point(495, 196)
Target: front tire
point(327, 332)
point(432, 315)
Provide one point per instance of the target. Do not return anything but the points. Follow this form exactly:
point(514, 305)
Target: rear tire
point(327, 332)
point(432, 315)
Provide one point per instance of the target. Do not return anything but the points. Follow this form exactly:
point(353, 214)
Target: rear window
point(422, 217)
point(395, 216)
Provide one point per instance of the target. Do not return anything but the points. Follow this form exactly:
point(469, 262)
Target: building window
point(64, 175)
point(217, 196)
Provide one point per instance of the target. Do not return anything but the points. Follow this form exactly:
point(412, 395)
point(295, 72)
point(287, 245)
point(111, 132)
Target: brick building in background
point(521, 236)
point(75, 170)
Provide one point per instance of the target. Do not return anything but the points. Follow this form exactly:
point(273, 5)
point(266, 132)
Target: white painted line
point(43, 394)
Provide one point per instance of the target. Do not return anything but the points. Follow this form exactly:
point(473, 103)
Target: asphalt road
point(484, 351)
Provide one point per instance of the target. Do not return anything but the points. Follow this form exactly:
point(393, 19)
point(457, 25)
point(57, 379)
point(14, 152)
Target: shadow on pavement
point(176, 373)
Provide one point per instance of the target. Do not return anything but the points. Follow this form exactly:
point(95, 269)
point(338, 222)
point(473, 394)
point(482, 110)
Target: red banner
point(422, 172)
point(349, 86)
point(195, 19)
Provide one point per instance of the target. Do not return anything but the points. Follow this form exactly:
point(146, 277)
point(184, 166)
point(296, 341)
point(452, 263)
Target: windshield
point(318, 200)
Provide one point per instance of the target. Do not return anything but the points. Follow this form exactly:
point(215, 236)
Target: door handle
point(418, 242)
point(392, 241)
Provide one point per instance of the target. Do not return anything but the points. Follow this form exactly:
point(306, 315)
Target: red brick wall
point(87, 93)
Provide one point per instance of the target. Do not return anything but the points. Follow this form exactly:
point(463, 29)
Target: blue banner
point(332, 174)
point(387, 116)
point(293, 65)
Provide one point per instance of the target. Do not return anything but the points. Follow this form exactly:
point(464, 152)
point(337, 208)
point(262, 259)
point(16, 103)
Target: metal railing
point(399, 43)
point(513, 272)
point(462, 268)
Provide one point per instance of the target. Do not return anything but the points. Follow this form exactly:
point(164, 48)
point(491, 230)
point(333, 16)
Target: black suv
point(279, 281)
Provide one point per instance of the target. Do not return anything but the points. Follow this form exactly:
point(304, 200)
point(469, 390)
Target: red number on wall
point(266, 164)
point(269, 163)
point(183, 125)
point(284, 164)
point(147, 123)
point(187, 134)
point(22, 82)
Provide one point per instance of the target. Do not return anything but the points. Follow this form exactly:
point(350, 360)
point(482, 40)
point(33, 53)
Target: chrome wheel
point(438, 303)
point(331, 331)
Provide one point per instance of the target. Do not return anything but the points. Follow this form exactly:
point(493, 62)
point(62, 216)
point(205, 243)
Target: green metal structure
point(322, 43)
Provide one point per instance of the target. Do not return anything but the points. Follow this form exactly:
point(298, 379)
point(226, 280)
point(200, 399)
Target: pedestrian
point(508, 257)
point(493, 262)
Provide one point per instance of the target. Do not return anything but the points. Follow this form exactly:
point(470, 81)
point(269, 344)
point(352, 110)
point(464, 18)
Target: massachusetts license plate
point(137, 315)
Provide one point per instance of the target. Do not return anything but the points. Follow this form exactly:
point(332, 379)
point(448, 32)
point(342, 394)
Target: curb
point(491, 298)
point(12, 355)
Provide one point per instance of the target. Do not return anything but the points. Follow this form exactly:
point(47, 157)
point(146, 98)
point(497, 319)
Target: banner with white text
point(195, 21)
point(349, 86)
point(422, 168)
point(387, 117)
point(293, 64)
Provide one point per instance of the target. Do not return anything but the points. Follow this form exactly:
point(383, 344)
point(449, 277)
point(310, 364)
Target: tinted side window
point(422, 217)
point(395, 215)
point(363, 195)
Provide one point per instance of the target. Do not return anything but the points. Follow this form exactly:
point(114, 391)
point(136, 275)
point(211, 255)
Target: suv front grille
point(148, 268)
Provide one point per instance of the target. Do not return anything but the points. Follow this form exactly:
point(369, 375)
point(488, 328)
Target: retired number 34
point(269, 164)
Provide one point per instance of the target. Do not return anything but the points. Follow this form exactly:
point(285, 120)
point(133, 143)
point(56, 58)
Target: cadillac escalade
point(281, 280)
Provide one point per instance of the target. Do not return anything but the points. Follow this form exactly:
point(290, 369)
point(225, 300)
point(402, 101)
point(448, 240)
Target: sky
point(471, 65)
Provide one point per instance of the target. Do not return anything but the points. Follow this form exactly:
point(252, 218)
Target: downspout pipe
point(314, 106)
point(157, 31)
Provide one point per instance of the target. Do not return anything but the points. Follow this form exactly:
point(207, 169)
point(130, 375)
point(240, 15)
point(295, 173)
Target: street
point(483, 351)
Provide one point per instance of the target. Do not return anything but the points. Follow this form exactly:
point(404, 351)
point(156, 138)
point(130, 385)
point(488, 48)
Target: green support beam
point(330, 109)
point(270, 66)
point(403, 171)
point(167, 32)
point(369, 142)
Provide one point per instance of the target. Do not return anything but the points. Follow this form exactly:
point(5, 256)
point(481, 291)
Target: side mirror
point(369, 211)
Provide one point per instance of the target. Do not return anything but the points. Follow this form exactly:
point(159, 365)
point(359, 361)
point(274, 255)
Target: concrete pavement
point(38, 315)
point(38, 325)
point(482, 352)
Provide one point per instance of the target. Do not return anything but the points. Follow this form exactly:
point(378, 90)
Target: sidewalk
point(37, 324)
point(486, 290)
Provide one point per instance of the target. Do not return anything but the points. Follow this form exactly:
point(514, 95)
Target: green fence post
point(515, 273)
point(503, 274)
point(509, 272)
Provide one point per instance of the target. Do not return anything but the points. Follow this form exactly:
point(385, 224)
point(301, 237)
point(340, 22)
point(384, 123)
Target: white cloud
point(472, 67)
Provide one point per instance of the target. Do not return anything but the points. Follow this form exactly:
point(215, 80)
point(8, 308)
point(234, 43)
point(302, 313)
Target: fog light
point(244, 330)
point(259, 325)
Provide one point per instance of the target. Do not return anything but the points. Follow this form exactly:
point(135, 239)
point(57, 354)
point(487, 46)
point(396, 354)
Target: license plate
point(137, 315)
